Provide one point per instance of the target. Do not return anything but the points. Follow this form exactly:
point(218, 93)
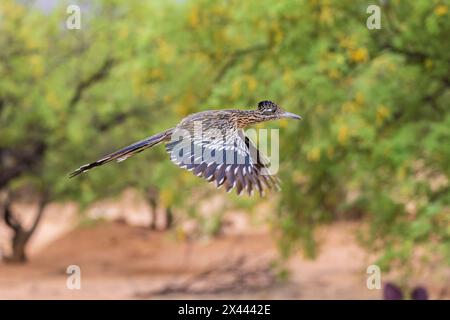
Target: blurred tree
point(50, 77)
point(376, 126)
point(21, 235)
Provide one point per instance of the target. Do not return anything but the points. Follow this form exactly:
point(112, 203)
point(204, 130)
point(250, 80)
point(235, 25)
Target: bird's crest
point(268, 107)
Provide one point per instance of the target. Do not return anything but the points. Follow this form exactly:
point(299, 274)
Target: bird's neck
point(248, 117)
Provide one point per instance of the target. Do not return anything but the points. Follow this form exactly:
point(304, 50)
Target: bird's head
point(269, 110)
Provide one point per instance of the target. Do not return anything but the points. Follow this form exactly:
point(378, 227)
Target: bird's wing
point(231, 160)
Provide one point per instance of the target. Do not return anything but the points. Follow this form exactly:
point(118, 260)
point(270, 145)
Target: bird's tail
point(126, 152)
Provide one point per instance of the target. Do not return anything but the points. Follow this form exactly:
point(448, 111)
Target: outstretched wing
point(230, 160)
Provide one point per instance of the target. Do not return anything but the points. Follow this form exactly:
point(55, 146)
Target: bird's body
point(223, 119)
point(212, 145)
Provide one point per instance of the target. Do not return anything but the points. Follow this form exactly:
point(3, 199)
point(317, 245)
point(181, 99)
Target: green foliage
point(376, 126)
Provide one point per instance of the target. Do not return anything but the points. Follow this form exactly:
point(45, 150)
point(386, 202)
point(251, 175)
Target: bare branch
point(97, 76)
point(43, 201)
point(8, 216)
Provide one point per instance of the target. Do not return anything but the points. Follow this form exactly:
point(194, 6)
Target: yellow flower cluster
point(441, 10)
point(359, 55)
point(343, 134)
point(194, 17)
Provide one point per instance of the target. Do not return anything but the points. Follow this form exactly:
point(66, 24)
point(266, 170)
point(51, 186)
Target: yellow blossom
point(441, 10)
point(194, 17)
point(343, 134)
point(359, 55)
point(313, 155)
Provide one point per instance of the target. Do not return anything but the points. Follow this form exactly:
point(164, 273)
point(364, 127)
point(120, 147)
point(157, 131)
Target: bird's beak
point(291, 115)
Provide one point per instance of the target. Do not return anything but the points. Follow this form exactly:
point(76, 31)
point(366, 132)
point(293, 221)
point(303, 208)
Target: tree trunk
point(19, 243)
point(21, 235)
point(152, 198)
point(169, 218)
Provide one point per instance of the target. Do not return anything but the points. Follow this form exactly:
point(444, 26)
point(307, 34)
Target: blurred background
point(365, 175)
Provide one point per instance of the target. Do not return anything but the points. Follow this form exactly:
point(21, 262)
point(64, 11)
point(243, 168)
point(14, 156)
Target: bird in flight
point(212, 144)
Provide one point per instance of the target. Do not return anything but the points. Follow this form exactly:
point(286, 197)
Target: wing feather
point(233, 162)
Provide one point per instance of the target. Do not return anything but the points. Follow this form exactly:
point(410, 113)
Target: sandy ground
point(129, 261)
point(126, 262)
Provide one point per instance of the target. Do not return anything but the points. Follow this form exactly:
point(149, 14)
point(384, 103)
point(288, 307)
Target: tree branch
point(21, 159)
point(43, 201)
point(8, 216)
point(97, 76)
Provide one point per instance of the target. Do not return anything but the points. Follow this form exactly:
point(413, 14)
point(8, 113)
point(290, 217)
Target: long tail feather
point(126, 152)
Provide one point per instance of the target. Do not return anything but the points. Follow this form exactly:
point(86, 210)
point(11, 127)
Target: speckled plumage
point(212, 145)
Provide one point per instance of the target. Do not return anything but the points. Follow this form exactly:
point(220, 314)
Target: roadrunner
point(212, 145)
